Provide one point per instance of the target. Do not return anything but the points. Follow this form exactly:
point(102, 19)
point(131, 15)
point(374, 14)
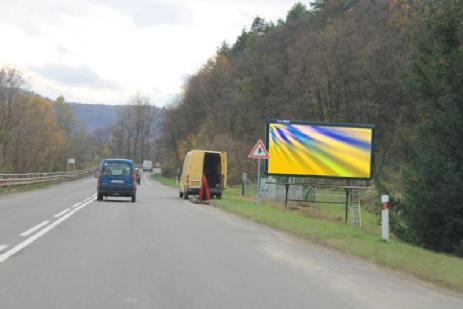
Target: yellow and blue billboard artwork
point(320, 150)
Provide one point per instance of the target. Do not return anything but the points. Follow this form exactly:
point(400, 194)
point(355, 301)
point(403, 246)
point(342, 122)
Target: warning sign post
point(258, 152)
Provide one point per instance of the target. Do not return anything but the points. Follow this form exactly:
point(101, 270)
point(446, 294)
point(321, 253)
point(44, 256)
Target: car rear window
point(116, 169)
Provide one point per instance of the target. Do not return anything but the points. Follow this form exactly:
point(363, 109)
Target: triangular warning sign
point(259, 151)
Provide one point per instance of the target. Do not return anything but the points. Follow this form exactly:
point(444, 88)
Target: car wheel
point(99, 197)
point(134, 198)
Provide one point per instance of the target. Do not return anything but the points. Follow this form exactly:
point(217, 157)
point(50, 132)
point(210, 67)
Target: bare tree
point(132, 135)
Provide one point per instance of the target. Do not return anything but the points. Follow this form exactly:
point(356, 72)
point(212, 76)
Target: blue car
point(117, 177)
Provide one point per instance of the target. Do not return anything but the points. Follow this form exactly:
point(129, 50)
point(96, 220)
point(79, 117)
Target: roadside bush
point(169, 169)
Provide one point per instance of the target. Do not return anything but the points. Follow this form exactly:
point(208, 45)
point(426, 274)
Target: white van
point(147, 165)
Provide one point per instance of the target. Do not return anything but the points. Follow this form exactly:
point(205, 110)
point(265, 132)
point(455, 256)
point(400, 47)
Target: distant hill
point(96, 116)
point(101, 116)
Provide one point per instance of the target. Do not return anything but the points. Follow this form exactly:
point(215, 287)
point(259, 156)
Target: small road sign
point(259, 151)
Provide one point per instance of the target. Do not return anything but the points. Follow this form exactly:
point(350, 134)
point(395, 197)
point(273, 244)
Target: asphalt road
point(163, 252)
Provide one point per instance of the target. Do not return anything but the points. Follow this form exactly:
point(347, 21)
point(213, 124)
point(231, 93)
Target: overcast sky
point(104, 51)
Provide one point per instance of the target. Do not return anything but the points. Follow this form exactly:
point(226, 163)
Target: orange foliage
point(39, 145)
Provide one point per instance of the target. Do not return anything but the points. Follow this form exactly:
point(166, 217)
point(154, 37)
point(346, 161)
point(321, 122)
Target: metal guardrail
point(8, 180)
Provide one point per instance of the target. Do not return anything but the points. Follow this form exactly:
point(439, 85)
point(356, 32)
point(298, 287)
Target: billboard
point(320, 150)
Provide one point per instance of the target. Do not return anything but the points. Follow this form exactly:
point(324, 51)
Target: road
point(164, 252)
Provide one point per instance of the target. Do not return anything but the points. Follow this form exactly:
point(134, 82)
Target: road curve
point(59, 248)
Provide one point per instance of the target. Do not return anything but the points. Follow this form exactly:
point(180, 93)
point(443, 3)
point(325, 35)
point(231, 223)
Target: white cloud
point(143, 45)
point(79, 76)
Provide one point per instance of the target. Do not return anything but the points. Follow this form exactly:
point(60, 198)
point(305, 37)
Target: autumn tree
point(39, 144)
point(64, 115)
point(12, 108)
point(36, 134)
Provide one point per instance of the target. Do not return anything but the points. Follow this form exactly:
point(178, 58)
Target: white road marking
point(30, 240)
point(34, 229)
point(3, 247)
point(61, 213)
point(89, 198)
point(76, 205)
point(146, 179)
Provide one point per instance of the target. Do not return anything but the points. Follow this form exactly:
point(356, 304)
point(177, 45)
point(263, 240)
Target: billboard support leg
point(286, 196)
point(348, 192)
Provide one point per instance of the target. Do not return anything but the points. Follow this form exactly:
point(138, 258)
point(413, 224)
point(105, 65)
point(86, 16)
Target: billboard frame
point(325, 124)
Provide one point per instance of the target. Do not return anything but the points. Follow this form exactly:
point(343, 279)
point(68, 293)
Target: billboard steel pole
point(258, 178)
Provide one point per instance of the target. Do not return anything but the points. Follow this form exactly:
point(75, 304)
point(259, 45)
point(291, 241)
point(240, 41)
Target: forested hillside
point(393, 63)
point(96, 116)
point(103, 116)
point(39, 135)
point(339, 62)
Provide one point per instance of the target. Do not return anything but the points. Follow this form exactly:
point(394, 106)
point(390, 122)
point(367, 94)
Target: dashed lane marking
point(4, 256)
point(77, 205)
point(89, 198)
point(61, 213)
point(34, 229)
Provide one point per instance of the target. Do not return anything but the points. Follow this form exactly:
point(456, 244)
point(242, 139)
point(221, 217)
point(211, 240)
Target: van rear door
point(116, 173)
point(195, 169)
point(224, 169)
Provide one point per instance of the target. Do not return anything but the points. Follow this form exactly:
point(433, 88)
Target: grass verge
point(164, 180)
point(364, 242)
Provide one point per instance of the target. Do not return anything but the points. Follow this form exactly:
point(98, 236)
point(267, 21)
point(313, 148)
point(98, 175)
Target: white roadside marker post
point(385, 217)
point(244, 183)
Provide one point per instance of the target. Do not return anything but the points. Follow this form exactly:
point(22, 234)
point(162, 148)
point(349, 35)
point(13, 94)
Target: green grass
point(164, 180)
point(322, 224)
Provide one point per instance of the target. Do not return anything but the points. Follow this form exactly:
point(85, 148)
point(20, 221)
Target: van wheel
point(99, 197)
point(181, 195)
point(134, 198)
